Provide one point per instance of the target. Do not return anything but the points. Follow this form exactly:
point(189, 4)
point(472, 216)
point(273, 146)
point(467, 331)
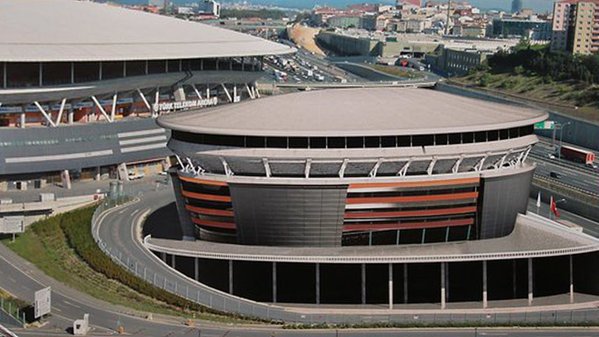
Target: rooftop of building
point(354, 112)
point(69, 30)
point(533, 236)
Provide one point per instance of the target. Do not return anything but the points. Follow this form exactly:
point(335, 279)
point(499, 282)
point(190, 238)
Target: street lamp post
point(561, 136)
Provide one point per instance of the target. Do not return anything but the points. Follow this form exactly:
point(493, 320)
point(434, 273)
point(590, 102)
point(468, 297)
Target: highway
point(573, 174)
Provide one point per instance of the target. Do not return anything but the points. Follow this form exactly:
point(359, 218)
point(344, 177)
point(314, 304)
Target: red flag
point(553, 207)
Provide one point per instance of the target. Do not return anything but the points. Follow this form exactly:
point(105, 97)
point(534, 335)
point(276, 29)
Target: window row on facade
point(353, 142)
point(37, 74)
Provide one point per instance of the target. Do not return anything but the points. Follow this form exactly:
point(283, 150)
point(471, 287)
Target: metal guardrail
point(4, 332)
point(201, 294)
point(398, 83)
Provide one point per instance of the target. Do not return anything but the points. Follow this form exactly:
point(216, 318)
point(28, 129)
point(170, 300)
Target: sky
point(538, 5)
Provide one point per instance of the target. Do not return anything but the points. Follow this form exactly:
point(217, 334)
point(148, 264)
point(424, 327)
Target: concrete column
point(363, 283)
point(571, 279)
point(163, 257)
point(196, 269)
point(65, 177)
point(530, 282)
point(173, 263)
point(443, 305)
point(405, 283)
point(390, 286)
point(70, 115)
point(318, 283)
point(98, 175)
point(231, 277)
point(123, 172)
point(274, 282)
point(23, 120)
point(485, 303)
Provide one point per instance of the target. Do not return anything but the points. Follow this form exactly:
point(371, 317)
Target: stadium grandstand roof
point(70, 30)
point(355, 112)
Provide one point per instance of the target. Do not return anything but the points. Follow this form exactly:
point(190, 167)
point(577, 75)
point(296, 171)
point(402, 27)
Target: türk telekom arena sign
point(196, 103)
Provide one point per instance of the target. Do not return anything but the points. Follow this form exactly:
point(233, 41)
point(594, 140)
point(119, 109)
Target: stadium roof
point(533, 236)
point(354, 112)
point(69, 30)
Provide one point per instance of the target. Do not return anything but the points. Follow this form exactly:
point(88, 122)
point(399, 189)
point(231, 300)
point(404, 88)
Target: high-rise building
point(576, 26)
point(516, 6)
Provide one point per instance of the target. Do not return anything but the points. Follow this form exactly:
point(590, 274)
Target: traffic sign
point(43, 302)
point(12, 225)
point(546, 125)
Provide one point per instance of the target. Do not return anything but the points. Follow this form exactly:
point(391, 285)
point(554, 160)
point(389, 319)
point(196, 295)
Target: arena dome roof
point(354, 112)
point(69, 30)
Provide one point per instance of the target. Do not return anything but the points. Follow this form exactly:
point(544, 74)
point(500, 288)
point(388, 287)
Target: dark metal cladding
point(502, 198)
point(288, 215)
point(82, 139)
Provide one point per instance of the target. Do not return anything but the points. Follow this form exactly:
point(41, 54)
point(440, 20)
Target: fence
point(11, 314)
point(170, 280)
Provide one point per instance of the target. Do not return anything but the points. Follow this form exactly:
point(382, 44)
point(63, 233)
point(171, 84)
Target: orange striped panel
point(426, 183)
point(209, 211)
point(409, 225)
point(209, 197)
point(214, 224)
point(417, 198)
point(426, 212)
point(203, 181)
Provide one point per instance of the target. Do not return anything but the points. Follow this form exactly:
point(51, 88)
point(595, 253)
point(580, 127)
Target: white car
point(136, 176)
point(551, 156)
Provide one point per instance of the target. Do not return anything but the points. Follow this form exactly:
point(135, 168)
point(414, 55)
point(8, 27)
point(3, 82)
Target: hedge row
point(76, 226)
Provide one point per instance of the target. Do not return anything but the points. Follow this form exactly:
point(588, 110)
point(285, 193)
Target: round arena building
point(366, 196)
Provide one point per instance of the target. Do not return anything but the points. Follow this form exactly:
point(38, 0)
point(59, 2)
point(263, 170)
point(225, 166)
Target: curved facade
point(366, 196)
point(79, 79)
point(445, 181)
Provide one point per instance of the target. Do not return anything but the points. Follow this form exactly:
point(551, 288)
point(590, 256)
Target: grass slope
point(62, 247)
point(570, 97)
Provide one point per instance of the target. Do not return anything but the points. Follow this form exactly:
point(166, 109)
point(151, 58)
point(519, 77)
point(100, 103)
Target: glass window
point(112, 70)
point(336, 142)
point(156, 67)
point(318, 143)
point(54, 73)
point(136, 68)
point(372, 142)
point(298, 142)
point(22, 74)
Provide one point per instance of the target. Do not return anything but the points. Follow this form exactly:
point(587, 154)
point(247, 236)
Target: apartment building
point(576, 26)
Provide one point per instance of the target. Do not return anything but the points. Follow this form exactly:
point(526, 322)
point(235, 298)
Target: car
point(136, 176)
point(551, 156)
point(555, 175)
